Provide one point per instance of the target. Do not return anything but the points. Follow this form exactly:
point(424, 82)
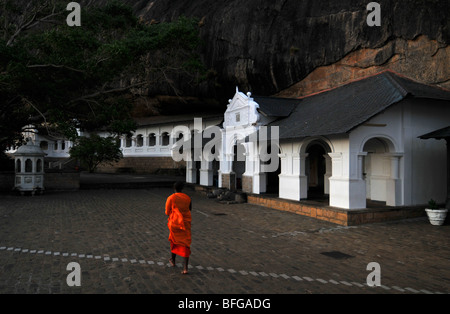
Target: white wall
point(428, 164)
point(419, 165)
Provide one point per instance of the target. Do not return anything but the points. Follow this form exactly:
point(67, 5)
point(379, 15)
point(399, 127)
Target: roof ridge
point(393, 79)
point(392, 75)
point(359, 79)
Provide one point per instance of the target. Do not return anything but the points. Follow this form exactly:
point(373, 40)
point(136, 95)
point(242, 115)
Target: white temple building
point(352, 144)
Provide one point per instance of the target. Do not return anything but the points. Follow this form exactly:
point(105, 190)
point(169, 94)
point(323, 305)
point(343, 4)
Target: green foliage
point(6, 163)
point(64, 78)
point(432, 204)
point(94, 150)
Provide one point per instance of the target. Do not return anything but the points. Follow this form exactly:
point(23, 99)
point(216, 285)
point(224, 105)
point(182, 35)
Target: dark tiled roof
point(420, 90)
point(340, 110)
point(156, 120)
point(439, 134)
point(276, 107)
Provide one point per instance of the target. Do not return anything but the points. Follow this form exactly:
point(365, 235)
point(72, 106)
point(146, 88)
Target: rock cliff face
point(295, 47)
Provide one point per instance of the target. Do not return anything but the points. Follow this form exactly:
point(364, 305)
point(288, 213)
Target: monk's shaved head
point(178, 186)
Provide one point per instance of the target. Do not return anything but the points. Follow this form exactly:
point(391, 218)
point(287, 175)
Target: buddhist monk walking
point(178, 208)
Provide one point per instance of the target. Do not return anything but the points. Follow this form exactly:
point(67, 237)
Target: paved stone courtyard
point(119, 238)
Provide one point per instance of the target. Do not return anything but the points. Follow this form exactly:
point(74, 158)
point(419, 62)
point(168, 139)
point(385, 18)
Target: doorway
point(273, 177)
point(315, 166)
point(238, 164)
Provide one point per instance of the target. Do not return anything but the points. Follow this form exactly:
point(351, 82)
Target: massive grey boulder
point(268, 46)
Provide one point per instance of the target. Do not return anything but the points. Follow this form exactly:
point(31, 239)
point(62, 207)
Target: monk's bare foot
point(184, 272)
point(171, 261)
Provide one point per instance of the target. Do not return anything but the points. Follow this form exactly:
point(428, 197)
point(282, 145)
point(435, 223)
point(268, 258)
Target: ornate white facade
point(380, 159)
point(352, 145)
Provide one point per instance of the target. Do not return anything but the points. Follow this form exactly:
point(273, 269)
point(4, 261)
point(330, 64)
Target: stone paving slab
point(119, 239)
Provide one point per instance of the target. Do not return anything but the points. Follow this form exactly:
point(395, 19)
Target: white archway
point(315, 167)
point(381, 165)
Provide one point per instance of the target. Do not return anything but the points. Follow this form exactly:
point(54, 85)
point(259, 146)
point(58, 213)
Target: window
point(28, 165)
point(152, 140)
point(165, 139)
point(139, 141)
point(238, 117)
point(44, 145)
point(55, 146)
point(39, 165)
point(180, 145)
point(18, 166)
point(128, 141)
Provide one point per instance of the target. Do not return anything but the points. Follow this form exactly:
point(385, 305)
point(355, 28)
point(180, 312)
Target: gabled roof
point(186, 118)
point(276, 107)
point(339, 110)
point(438, 134)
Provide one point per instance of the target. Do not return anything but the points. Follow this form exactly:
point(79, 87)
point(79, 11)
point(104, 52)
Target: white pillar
point(158, 139)
point(259, 178)
point(206, 173)
point(327, 175)
point(302, 175)
point(191, 171)
point(347, 187)
point(394, 183)
point(293, 185)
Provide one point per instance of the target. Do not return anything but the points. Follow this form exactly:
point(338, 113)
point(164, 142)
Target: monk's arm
point(169, 206)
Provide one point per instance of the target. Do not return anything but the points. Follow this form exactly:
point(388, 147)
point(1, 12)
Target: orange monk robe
point(178, 208)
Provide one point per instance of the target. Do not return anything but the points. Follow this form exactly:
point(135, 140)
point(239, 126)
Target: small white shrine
point(29, 168)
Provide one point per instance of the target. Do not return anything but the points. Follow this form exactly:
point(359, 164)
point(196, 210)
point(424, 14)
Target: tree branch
point(26, 101)
point(33, 21)
point(54, 66)
point(114, 90)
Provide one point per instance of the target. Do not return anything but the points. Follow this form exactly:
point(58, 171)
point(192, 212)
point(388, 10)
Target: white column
point(206, 173)
point(253, 168)
point(394, 183)
point(191, 171)
point(327, 175)
point(158, 139)
point(225, 163)
point(357, 182)
point(293, 185)
point(288, 184)
point(302, 175)
point(347, 188)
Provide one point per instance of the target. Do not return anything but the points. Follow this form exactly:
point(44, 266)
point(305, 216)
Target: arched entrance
point(238, 167)
point(215, 168)
point(317, 169)
point(381, 172)
point(198, 166)
point(273, 177)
